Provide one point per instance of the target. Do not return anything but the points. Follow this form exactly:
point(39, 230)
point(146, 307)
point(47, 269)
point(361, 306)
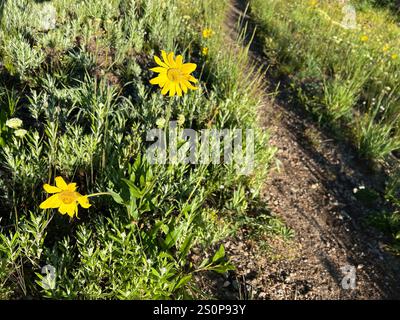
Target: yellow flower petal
point(192, 79)
point(159, 62)
point(60, 183)
point(188, 68)
point(71, 187)
point(156, 80)
point(172, 89)
point(165, 58)
point(178, 90)
point(159, 70)
point(165, 89)
point(84, 202)
point(163, 80)
point(51, 203)
point(70, 209)
point(184, 88)
point(179, 61)
point(171, 60)
point(51, 189)
point(189, 85)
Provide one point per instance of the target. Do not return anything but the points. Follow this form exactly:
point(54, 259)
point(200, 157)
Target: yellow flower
point(174, 75)
point(204, 51)
point(385, 48)
point(208, 33)
point(364, 38)
point(313, 3)
point(65, 198)
point(394, 56)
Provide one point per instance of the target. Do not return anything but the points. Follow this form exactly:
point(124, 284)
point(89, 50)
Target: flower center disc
point(174, 74)
point(67, 197)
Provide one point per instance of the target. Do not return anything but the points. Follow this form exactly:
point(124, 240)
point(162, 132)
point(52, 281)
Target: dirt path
point(313, 194)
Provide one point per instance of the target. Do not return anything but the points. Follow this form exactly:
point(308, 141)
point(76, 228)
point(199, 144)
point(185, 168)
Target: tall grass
point(349, 76)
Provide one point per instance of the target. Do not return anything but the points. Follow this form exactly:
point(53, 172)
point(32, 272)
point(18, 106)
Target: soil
point(313, 193)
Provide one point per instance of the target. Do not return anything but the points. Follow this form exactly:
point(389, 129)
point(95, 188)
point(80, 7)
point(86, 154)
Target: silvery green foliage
point(86, 105)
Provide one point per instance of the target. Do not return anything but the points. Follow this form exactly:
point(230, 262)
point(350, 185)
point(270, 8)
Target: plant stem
point(99, 194)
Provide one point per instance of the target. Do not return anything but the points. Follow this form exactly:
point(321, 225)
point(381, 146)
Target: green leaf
point(171, 238)
point(164, 228)
point(153, 232)
point(222, 268)
point(187, 244)
point(142, 181)
point(117, 198)
point(135, 191)
point(183, 281)
point(219, 254)
point(205, 262)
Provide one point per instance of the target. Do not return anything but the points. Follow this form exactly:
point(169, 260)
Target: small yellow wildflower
point(65, 198)
point(313, 3)
point(174, 75)
point(208, 33)
point(204, 51)
point(385, 48)
point(394, 56)
point(364, 38)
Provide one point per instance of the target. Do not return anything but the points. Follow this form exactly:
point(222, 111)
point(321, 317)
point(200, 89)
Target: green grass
point(351, 83)
point(82, 90)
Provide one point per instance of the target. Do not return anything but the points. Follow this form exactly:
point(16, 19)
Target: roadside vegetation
point(342, 61)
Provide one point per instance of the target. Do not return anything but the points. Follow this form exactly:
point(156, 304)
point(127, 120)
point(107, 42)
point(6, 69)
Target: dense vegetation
point(76, 103)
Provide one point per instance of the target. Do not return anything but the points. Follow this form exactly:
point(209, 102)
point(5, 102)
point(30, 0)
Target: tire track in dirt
point(313, 194)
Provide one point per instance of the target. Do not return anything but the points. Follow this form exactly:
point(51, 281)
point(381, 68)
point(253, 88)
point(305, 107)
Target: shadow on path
point(313, 193)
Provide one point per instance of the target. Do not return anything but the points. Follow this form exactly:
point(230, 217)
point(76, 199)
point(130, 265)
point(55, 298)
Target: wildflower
point(208, 33)
point(394, 56)
point(14, 123)
point(364, 38)
point(160, 123)
point(65, 198)
point(20, 133)
point(204, 51)
point(385, 48)
point(181, 119)
point(313, 3)
point(174, 75)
